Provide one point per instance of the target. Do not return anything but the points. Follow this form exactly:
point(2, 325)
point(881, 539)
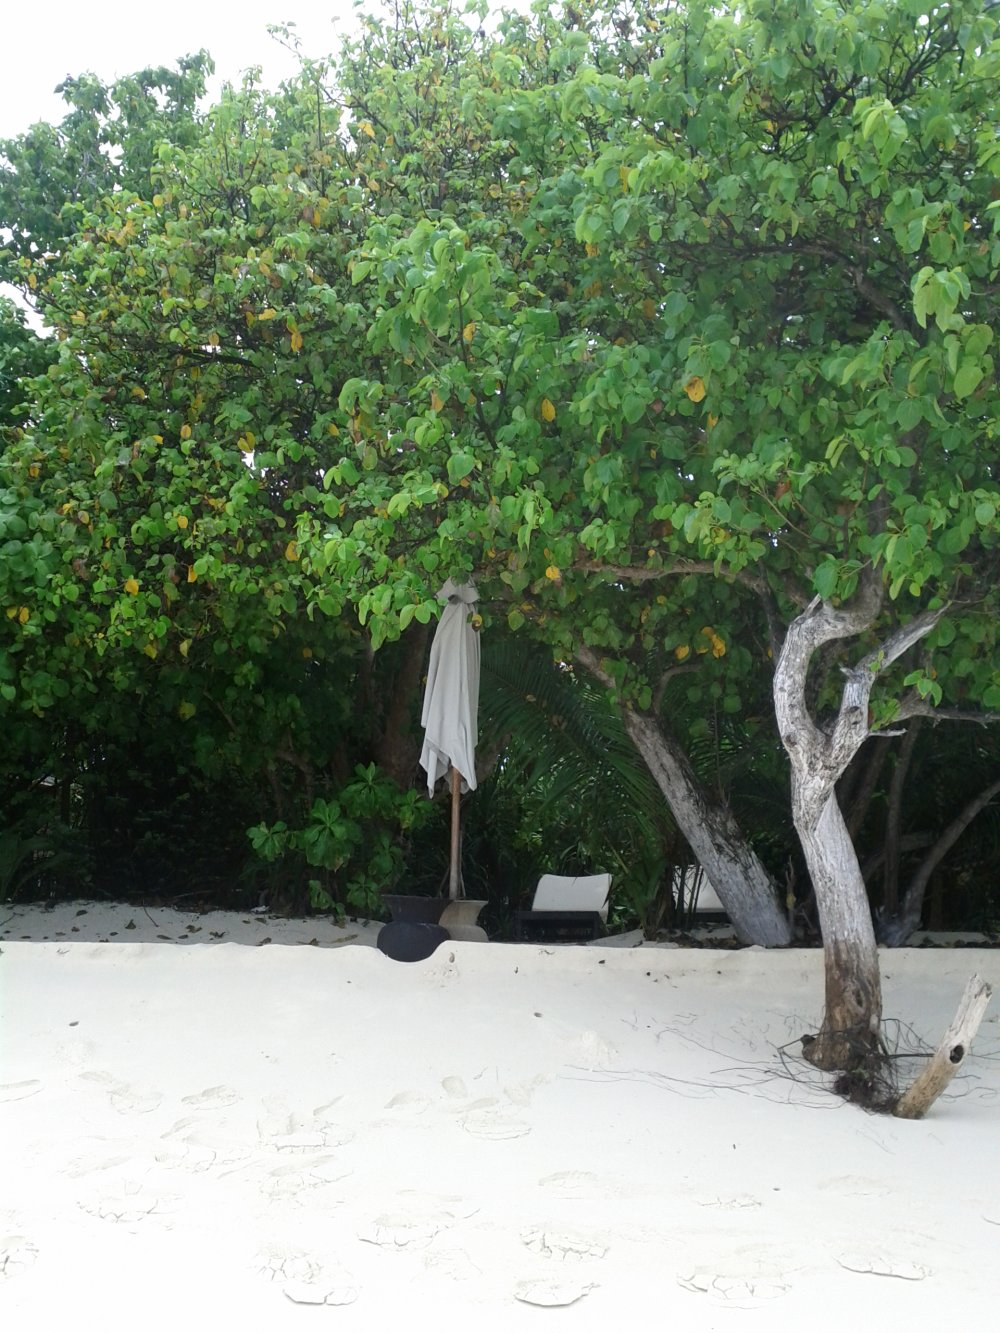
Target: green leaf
point(460, 465)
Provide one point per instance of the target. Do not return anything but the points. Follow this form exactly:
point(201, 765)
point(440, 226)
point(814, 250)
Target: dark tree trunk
point(898, 929)
point(398, 747)
point(894, 821)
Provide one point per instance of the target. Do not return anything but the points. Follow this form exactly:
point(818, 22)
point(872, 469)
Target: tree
point(149, 504)
point(724, 363)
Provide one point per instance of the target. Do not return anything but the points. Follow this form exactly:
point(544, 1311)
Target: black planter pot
point(413, 933)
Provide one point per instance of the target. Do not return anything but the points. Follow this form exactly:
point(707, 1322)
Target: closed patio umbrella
point(451, 706)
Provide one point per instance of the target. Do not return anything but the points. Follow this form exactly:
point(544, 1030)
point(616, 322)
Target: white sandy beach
point(211, 1120)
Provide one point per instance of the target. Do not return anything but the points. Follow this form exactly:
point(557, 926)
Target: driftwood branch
point(949, 1057)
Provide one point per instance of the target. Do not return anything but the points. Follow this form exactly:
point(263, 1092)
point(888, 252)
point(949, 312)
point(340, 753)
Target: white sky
point(40, 46)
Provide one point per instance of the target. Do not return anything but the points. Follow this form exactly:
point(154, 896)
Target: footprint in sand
point(126, 1100)
point(573, 1184)
point(414, 1103)
point(197, 1147)
point(521, 1094)
point(17, 1254)
point(293, 1183)
point(564, 1243)
point(588, 1185)
point(128, 1203)
point(881, 1265)
point(16, 1092)
point(398, 1231)
point(488, 1124)
point(305, 1279)
point(549, 1292)
point(282, 1129)
point(728, 1202)
point(99, 1155)
point(212, 1099)
point(734, 1292)
point(454, 1265)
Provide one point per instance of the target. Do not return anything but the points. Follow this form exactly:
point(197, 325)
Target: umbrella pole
point(455, 873)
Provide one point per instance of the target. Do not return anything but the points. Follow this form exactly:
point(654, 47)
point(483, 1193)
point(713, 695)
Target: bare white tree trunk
point(736, 873)
point(819, 756)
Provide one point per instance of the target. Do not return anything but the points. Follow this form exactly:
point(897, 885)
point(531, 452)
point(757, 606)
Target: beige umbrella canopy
point(451, 706)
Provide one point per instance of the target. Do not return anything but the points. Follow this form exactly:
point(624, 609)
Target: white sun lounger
point(566, 907)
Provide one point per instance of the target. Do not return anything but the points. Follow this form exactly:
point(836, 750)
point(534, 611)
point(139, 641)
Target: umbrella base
point(410, 941)
point(413, 933)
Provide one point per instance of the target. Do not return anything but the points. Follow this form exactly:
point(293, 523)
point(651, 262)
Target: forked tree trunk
point(736, 873)
point(819, 756)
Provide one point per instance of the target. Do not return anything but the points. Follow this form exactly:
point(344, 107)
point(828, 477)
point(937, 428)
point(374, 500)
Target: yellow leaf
point(713, 420)
point(623, 177)
point(649, 307)
point(333, 429)
point(137, 392)
point(182, 521)
point(682, 651)
point(34, 470)
point(291, 551)
point(22, 615)
point(718, 646)
point(548, 410)
point(695, 388)
point(213, 340)
point(296, 341)
point(131, 586)
point(554, 573)
point(592, 250)
point(437, 402)
point(192, 574)
point(469, 332)
point(307, 653)
point(32, 281)
point(185, 432)
point(150, 650)
point(11, 612)
point(267, 314)
point(157, 200)
point(185, 647)
point(366, 129)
